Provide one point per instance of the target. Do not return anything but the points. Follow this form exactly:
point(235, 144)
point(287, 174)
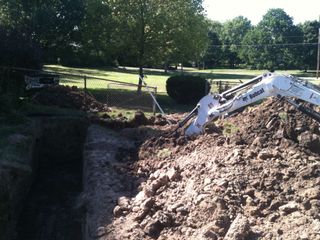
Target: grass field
point(127, 75)
point(157, 77)
point(154, 78)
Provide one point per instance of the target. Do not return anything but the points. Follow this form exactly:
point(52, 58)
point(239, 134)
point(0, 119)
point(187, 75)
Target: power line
point(264, 45)
point(318, 57)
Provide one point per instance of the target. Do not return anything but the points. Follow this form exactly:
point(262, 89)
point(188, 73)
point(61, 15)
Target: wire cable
point(265, 45)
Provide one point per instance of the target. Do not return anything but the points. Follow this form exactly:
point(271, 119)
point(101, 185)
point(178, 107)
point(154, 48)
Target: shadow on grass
point(158, 72)
point(79, 71)
point(131, 100)
point(306, 74)
point(103, 71)
point(170, 106)
point(222, 76)
point(177, 72)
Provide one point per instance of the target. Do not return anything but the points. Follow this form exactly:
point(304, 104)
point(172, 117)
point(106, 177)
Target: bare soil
point(254, 175)
point(69, 97)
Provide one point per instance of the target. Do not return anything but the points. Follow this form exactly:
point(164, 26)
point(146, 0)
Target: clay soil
point(254, 175)
point(69, 97)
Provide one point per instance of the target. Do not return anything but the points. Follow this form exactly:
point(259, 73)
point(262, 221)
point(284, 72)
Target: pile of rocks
point(258, 181)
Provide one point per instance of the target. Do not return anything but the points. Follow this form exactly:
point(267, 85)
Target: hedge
point(187, 88)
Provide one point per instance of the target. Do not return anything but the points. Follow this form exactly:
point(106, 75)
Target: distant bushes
point(187, 88)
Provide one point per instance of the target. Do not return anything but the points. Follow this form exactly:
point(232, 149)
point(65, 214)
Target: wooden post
point(85, 89)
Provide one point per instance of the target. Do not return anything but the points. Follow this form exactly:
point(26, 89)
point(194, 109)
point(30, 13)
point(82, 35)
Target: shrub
point(187, 88)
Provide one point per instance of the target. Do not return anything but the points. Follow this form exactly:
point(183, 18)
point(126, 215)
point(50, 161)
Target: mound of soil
point(251, 176)
point(139, 119)
point(69, 97)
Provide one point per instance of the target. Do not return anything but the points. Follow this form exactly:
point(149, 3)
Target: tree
point(56, 27)
point(232, 34)
point(253, 52)
point(310, 36)
point(87, 32)
point(214, 54)
point(190, 39)
point(17, 44)
point(52, 24)
point(96, 43)
point(157, 31)
point(272, 44)
point(18, 49)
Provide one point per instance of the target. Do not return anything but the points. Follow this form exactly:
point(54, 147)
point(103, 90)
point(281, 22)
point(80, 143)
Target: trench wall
point(48, 141)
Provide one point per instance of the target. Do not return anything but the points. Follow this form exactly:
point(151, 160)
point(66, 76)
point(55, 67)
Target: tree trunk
point(141, 44)
point(166, 68)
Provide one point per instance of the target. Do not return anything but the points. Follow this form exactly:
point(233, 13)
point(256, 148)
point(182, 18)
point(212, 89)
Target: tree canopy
point(271, 45)
point(149, 33)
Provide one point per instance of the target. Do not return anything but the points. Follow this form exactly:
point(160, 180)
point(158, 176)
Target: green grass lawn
point(157, 77)
point(154, 78)
point(130, 75)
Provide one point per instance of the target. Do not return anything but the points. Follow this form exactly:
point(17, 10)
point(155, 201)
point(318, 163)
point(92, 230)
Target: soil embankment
point(252, 176)
point(50, 209)
point(17, 165)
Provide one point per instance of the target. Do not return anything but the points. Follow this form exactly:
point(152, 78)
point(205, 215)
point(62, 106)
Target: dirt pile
point(69, 97)
point(275, 123)
point(252, 176)
point(139, 119)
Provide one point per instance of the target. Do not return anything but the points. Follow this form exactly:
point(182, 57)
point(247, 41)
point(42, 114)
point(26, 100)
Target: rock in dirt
point(141, 197)
point(161, 181)
point(124, 202)
point(209, 234)
point(118, 211)
point(310, 193)
point(173, 174)
point(153, 228)
point(264, 155)
point(139, 119)
point(289, 207)
point(310, 140)
point(239, 228)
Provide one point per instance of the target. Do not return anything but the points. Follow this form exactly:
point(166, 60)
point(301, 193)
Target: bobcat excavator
point(284, 87)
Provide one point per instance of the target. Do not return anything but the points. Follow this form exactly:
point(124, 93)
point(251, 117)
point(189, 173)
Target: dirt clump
point(254, 175)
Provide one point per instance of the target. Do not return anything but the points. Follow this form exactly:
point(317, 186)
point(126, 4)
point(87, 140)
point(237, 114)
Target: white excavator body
point(268, 85)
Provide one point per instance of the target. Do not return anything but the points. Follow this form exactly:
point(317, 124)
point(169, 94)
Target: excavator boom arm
point(269, 85)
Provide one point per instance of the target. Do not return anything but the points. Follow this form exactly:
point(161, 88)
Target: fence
point(222, 85)
point(110, 92)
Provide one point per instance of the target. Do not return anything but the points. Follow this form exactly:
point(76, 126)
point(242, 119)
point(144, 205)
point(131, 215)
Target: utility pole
point(318, 61)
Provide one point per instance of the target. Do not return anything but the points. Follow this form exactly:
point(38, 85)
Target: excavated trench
point(50, 209)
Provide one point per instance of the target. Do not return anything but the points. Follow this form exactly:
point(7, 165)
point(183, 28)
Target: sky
point(223, 10)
